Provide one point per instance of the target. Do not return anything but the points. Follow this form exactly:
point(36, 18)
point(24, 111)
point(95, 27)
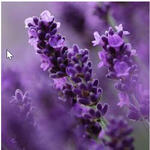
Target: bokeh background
point(78, 22)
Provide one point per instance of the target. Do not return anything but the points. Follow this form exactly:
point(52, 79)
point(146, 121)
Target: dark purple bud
point(77, 91)
point(115, 60)
point(47, 36)
point(78, 67)
point(59, 60)
point(75, 59)
point(84, 59)
point(104, 110)
point(90, 71)
point(125, 58)
point(111, 32)
point(92, 112)
point(60, 74)
point(89, 85)
point(86, 116)
point(41, 44)
point(68, 92)
point(53, 31)
point(99, 90)
point(41, 24)
point(71, 70)
point(82, 86)
point(85, 69)
point(85, 52)
point(104, 38)
point(69, 55)
point(46, 52)
point(62, 66)
point(87, 76)
point(75, 49)
point(30, 24)
point(84, 101)
point(95, 83)
point(76, 79)
point(53, 26)
point(120, 33)
point(98, 114)
point(53, 76)
point(95, 129)
point(99, 107)
point(35, 19)
point(39, 52)
point(93, 97)
point(94, 90)
point(89, 64)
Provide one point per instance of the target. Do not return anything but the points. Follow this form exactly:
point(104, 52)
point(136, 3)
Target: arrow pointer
point(9, 55)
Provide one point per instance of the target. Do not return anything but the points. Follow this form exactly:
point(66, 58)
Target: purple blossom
point(118, 57)
point(115, 40)
point(71, 70)
point(121, 68)
point(49, 45)
point(60, 83)
point(102, 56)
point(97, 40)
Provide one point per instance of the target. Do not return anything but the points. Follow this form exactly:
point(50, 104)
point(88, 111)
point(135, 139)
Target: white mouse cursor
point(9, 55)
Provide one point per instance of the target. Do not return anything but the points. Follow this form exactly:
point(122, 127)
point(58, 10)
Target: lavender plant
point(119, 57)
point(71, 70)
point(70, 66)
point(65, 108)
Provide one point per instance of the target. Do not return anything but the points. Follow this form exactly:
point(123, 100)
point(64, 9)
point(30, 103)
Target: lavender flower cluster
point(69, 67)
point(43, 37)
point(119, 57)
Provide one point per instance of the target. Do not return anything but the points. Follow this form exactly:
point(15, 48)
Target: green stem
point(111, 21)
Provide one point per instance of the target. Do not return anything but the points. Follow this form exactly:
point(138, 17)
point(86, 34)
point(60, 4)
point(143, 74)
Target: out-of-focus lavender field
point(79, 20)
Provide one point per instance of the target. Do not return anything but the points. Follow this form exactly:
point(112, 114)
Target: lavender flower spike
point(118, 56)
point(43, 36)
point(22, 102)
point(71, 70)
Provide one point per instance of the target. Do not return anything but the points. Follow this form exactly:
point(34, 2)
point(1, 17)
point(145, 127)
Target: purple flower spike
point(71, 71)
point(118, 57)
point(42, 32)
point(23, 103)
